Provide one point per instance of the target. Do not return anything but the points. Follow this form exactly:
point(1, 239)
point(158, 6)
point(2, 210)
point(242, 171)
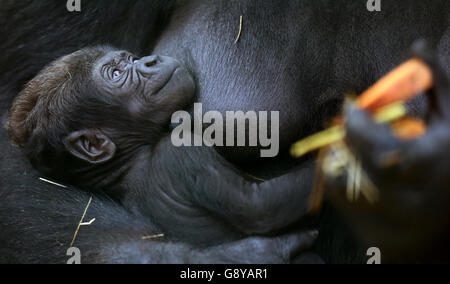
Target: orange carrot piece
point(408, 128)
point(402, 84)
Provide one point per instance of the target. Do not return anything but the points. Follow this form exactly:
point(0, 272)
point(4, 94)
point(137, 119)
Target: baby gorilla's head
point(96, 107)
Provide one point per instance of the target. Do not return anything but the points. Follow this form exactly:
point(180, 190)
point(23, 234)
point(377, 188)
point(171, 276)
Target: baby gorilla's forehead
point(114, 57)
point(85, 57)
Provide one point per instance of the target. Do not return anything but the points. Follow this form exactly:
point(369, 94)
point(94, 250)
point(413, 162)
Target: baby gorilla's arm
point(212, 183)
point(255, 208)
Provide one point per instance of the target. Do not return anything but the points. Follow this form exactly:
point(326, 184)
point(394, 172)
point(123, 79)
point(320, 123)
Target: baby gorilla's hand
point(413, 177)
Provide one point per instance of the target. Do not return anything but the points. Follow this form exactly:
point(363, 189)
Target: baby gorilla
point(100, 119)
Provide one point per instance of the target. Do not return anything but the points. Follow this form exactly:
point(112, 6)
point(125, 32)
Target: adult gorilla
point(412, 220)
point(294, 56)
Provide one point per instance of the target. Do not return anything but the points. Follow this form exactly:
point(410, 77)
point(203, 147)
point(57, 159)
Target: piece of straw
point(81, 221)
point(256, 178)
point(52, 182)
point(241, 20)
point(88, 223)
point(153, 237)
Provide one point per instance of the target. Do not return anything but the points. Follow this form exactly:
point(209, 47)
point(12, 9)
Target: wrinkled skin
point(411, 221)
point(120, 73)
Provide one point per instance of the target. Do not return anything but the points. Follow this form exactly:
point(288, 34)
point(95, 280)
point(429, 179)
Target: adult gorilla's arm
point(255, 250)
point(413, 178)
point(38, 222)
point(41, 227)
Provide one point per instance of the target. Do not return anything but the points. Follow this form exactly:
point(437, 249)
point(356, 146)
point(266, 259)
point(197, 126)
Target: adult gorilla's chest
point(281, 62)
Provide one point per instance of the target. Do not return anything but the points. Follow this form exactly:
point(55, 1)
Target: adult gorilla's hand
point(292, 248)
point(413, 177)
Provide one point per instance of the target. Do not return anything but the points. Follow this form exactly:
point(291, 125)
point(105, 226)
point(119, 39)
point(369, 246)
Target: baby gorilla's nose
point(146, 65)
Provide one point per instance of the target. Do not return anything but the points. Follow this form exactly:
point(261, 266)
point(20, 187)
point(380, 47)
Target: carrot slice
point(402, 84)
point(408, 128)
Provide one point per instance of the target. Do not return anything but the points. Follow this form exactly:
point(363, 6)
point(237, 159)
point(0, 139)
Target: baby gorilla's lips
point(166, 81)
point(166, 77)
point(179, 83)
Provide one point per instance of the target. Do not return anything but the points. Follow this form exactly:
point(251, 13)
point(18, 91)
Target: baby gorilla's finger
point(370, 141)
point(439, 96)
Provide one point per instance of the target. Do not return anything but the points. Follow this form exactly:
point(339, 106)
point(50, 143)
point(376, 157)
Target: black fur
point(294, 56)
point(41, 228)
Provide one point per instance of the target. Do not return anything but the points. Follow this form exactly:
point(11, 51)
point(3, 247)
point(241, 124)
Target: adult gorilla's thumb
point(439, 95)
point(367, 138)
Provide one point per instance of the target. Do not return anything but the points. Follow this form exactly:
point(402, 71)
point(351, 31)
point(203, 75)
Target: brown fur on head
point(52, 105)
point(66, 114)
point(33, 108)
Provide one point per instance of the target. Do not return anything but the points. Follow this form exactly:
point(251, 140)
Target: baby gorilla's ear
point(91, 146)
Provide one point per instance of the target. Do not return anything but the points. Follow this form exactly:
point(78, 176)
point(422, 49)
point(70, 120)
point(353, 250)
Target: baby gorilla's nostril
point(151, 63)
point(147, 65)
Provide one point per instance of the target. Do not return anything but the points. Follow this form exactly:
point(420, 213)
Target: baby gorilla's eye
point(116, 74)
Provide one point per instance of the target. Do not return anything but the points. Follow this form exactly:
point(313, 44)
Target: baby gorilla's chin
point(180, 88)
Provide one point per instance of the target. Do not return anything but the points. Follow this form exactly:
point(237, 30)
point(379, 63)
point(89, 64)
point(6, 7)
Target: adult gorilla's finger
point(439, 96)
point(296, 243)
point(369, 140)
point(308, 258)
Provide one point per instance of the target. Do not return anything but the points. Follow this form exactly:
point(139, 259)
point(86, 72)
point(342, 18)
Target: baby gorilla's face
point(143, 81)
point(122, 103)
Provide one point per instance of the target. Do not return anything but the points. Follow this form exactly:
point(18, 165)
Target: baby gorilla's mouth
point(166, 82)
